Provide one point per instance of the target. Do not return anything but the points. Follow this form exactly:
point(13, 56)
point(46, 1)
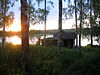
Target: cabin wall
point(66, 43)
point(50, 42)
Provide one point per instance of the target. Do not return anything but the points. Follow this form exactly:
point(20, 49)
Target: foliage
point(9, 17)
point(95, 9)
point(89, 65)
point(95, 31)
point(69, 10)
point(94, 17)
point(36, 12)
point(10, 61)
point(45, 61)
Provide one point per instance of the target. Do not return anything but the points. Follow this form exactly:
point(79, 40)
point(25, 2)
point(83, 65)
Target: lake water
point(15, 40)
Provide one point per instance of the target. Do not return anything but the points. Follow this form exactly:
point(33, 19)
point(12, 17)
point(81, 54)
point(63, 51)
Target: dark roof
point(66, 35)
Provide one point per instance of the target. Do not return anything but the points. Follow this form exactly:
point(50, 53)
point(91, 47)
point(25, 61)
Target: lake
point(15, 40)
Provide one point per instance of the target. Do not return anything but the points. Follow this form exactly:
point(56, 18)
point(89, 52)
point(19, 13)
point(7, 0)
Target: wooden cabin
point(68, 39)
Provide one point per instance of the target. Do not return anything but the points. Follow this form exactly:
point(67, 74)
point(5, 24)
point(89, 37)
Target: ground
point(45, 61)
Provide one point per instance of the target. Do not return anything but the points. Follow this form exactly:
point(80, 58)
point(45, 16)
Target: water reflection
point(15, 40)
point(33, 40)
point(86, 41)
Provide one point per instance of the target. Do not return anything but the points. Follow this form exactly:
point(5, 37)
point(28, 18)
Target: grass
point(45, 61)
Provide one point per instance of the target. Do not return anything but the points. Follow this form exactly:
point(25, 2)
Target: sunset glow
point(15, 27)
point(15, 40)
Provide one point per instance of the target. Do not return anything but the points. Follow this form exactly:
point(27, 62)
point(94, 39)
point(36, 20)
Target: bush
point(89, 65)
point(45, 61)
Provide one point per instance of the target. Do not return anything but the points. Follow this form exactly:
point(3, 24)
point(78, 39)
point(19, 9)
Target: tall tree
point(45, 23)
point(80, 26)
point(5, 9)
point(25, 34)
point(92, 13)
point(38, 15)
point(76, 24)
point(60, 29)
point(5, 18)
point(29, 11)
point(68, 11)
point(91, 22)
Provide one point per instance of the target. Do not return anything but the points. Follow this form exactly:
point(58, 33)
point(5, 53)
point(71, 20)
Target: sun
point(15, 27)
point(15, 40)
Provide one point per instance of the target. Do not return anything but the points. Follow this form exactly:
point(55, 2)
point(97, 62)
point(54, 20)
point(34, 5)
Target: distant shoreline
point(34, 32)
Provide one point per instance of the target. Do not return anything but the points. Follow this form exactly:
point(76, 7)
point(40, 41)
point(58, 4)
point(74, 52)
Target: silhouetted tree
point(91, 22)
point(76, 24)
point(60, 29)
point(45, 23)
point(5, 9)
point(25, 35)
point(5, 19)
point(80, 27)
point(29, 11)
point(37, 16)
point(91, 12)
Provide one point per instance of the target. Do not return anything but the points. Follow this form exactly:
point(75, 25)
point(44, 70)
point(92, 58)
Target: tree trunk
point(25, 35)
point(29, 11)
point(60, 29)
point(91, 24)
point(3, 39)
point(45, 24)
point(76, 25)
point(80, 26)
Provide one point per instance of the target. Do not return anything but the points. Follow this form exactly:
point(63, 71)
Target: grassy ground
point(45, 61)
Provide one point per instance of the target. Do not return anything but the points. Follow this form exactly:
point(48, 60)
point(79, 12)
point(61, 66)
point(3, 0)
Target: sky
point(52, 18)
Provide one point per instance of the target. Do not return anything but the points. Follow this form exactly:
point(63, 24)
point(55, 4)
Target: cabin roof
point(66, 35)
